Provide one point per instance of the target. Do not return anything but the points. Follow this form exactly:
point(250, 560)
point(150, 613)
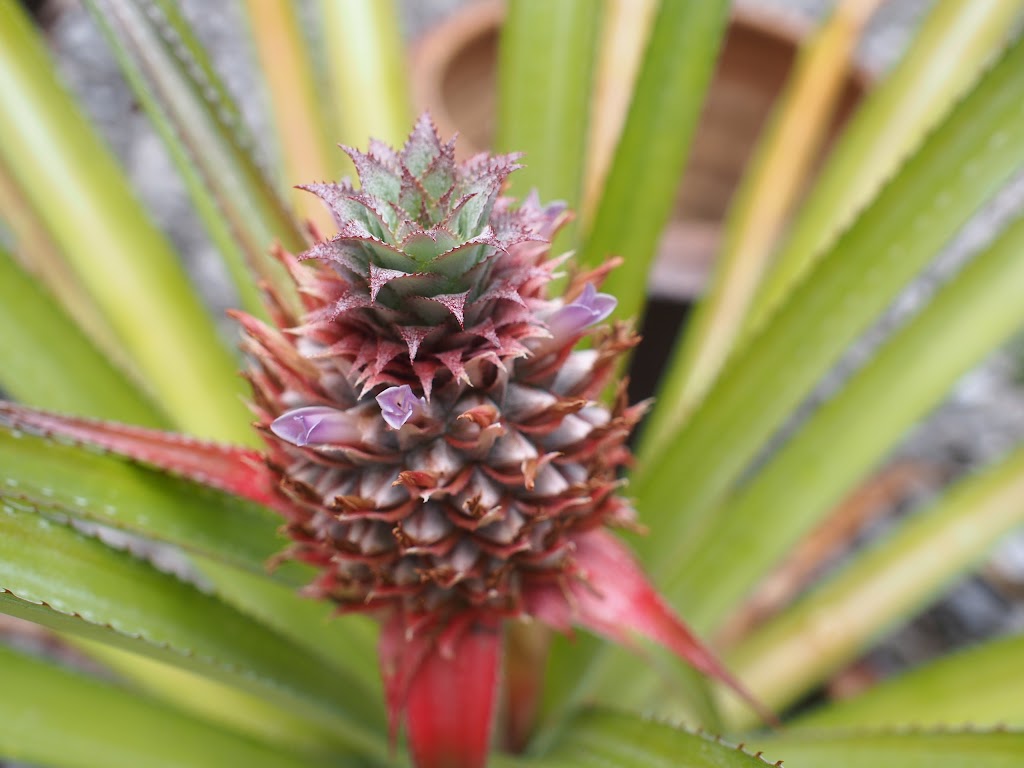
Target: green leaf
point(55, 576)
point(49, 362)
point(776, 174)
point(546, 76)
point(298, 109)
point(53, 716)
point(622, 42)
point(872, 749)
point(75, 186)
point(960, 166)
point(879, 587)
point(210, 700)
point(343, 642)
point(652, 150)
point(980, 686)
point(602, 739)
point(203, 130)
point(35, 250)
point(231, 539)
point(977, 311)
point(366, 64)
point(86, 485)
point(944, 60)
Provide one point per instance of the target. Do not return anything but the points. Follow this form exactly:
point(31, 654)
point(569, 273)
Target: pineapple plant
point(435, 443)
point(434, 484)
point(439, 446)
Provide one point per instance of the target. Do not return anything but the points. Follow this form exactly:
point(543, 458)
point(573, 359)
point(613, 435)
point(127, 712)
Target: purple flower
point(588, 308)
point(397, 405)
point(315, 424)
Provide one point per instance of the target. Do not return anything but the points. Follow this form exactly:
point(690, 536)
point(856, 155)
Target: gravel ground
point(984, 415)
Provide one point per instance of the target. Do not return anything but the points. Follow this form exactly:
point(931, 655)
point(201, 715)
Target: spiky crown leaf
point(437, 264)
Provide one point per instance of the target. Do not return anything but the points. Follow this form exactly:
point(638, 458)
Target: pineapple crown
point(433, 273)
point(426, 240)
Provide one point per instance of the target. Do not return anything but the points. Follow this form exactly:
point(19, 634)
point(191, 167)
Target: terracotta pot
point(454, 76)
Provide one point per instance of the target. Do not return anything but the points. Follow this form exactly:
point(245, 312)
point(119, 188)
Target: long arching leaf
point(975, 313)
point(204, 132)
point(226, 534)
point(298, 107)
point(980, 686)
point(547, 56)
point(365, 63)
point(48, 361)
point(652, 150)
point(961, 165)
point(345, 642)
point(858, 748)
point(53, 716)
point(210, 700)
point(73, 183)
point(83, 484)
point(602, 739)
point(35, 250)
point(65, 580)
point(776, 175)
point(879, 587)
point(943, 61)
point(625, 29)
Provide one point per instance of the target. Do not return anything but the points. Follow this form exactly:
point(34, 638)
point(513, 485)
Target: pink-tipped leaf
point(239, 471)
point(612, 597)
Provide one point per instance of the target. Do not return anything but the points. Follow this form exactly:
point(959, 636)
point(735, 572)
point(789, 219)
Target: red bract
point(435, 442)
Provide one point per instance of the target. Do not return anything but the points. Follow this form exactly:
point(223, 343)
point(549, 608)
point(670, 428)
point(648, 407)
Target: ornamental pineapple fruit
point(439, 441)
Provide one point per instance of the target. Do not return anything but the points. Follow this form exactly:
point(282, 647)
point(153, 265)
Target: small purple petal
point(315, 424)
point(397, 405)
point(589, 307)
